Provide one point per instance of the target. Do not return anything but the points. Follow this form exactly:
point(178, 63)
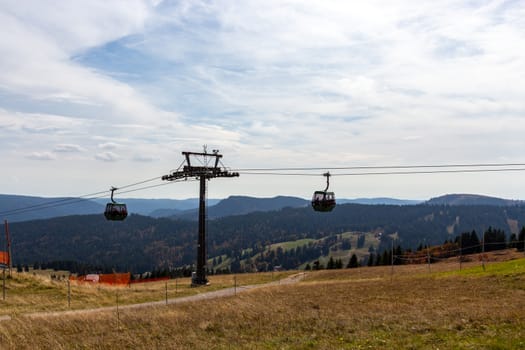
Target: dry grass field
point(29, 293)
point(365, 308)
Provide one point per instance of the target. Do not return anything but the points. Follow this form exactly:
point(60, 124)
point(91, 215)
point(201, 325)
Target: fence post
point(428, 258)
point(483, 253)
point(392, 262)
point(460, 251)
point(118, 315)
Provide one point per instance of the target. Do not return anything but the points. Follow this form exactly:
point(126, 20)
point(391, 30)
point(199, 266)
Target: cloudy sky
point(96, 94)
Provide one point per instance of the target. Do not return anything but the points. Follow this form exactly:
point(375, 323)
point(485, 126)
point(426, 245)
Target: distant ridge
point(160, 207)
point(240, 205)
point(381, 201)
point(472, 199)
point(24, 208)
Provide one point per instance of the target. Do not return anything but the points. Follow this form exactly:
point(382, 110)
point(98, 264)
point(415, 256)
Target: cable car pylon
point(208, 170)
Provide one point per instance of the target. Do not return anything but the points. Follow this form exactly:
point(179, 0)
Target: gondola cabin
point(116, 211)
point(323, 201)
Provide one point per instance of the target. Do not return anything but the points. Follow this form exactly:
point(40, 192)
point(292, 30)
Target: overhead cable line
point(386, 172)
point(58, 202)
point(474, 165)
point(158, 185)
point(48, 205)
point(140, 182)
point(73, 200)
point(294, 171)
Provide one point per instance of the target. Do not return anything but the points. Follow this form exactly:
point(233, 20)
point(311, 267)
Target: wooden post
point(460, 251)
point(483, 253)
point(3, 285)
point(9, 253)
point(118, 315)
point(392, 262)
point(428, 258)
point(69, 293)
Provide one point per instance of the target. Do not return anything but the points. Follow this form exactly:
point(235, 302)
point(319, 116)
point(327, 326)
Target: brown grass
point(365, 308)
point(29, 293)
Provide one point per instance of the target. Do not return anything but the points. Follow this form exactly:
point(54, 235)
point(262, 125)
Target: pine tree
point(521, 240)
point(494, 239)
point(379, 260)
point(331, 264)
point(513, 241)
point(371, 260)
point(352, 263)
point(474, 243)
point(339, 264)
point(386, 259)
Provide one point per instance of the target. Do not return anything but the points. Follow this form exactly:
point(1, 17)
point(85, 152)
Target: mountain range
point(24, 208)
point(17, 208)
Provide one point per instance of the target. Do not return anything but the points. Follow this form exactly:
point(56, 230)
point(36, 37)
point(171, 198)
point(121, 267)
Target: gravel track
point(203, 296)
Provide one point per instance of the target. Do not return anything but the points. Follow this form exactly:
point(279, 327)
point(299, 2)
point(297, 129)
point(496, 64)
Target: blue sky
point(96, 94)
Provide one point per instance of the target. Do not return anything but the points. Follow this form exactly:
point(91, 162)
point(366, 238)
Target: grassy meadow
point(409, 307)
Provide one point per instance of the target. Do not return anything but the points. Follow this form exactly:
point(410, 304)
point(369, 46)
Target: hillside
point(380, 201)
point(143, 243)
point(240, 205)
point(472, 199)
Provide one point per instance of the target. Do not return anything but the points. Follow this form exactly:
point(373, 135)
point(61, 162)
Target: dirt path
point(203, 296)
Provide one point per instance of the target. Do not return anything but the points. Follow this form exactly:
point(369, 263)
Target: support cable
point(409, 170)
point(93, 196)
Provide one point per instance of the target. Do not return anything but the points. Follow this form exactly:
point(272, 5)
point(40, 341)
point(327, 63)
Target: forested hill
point(239, 205)
point(141, 243)
point(472, 199)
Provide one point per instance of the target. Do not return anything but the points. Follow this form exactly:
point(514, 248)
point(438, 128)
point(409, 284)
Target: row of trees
point(466, 243)
point(258, 258)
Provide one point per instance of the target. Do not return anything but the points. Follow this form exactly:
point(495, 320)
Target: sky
point(95, 94)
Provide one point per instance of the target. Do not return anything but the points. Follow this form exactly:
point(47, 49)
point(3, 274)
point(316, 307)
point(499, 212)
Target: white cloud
point(144, 159)
point(107, 157)
point(41, 156)
point(108, 146)
point(269, 83)
point(68, 148)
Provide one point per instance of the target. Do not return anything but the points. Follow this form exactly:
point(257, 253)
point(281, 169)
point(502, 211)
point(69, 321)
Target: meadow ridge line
point(203, 296)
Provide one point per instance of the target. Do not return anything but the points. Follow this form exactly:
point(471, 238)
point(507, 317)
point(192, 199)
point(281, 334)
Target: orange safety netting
point(4, 258)
point(110, 278)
